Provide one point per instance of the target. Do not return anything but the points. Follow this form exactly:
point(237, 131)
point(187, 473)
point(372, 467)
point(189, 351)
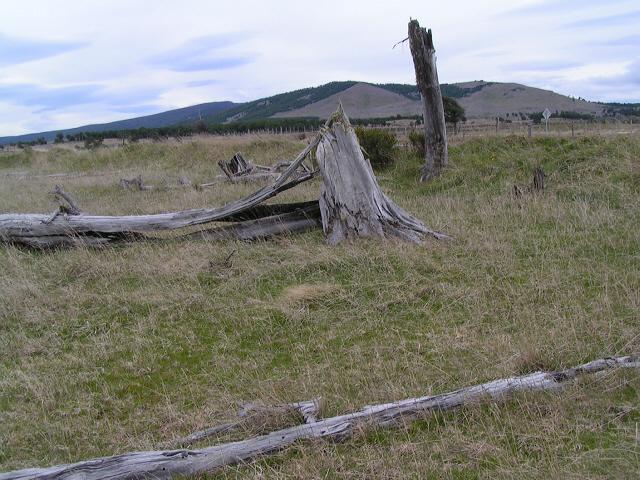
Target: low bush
point(416, 139)
point(93, 142)
point(378, 144)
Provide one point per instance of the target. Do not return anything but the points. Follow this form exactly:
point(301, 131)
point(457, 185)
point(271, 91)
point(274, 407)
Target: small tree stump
point(237, 166)
point(538, 179)
point(135, 183)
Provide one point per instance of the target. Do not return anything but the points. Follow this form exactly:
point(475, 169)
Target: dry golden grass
point(128, 348)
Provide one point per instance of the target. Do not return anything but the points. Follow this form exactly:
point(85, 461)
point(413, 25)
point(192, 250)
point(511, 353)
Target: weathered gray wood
point(36, 230)
point(435, 131)
point(236, 166)
point(167, 464)
point(351, 202)
point(265, 227)
point(134, 183)
point(269, 210)
point(73, 208)
point(240, 170)
point(538, 179)
point(254, 414)
point(351, 205)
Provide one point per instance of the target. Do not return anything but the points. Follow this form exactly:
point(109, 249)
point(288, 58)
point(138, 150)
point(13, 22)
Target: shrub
point(453, 111)
point(378, 145)
point(416, 139)
point(92, 142)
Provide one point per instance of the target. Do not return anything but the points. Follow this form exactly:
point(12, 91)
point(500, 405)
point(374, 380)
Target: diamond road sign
point(546, 114)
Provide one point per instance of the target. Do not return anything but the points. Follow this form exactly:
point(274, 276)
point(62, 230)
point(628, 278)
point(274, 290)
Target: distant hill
point(361, 100)
point(268, 107)
point(490, 99)
point(480, 99)
point(157, 120)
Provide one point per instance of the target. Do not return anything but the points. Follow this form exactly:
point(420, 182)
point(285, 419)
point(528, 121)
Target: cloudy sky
point(72, 62)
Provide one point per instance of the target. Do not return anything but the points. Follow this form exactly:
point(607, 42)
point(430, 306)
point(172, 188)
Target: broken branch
point(73, 208)
point(254, 414)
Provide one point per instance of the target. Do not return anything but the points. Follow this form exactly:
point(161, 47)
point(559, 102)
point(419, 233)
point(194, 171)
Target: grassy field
point(108, 351)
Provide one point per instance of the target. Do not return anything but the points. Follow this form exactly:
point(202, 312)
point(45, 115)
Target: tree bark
point(169, 463)
point(297, 221)
point(435, 131)
point(351, 202)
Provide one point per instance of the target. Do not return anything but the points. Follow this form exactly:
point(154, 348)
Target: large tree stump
point(351, 202)
point(435, 131)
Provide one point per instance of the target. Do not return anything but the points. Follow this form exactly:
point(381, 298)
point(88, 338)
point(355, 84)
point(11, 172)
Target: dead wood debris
point(134, 183)
point(165, 464)
point(536, 186)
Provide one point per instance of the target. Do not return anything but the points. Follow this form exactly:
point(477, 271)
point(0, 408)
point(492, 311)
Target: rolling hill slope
point(361, 100)
point(480, 99)
point(498, 99)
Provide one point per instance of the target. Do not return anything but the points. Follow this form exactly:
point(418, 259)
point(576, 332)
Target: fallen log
point(351, 205)
point(169, 463)
point(40, 231)
point(238, 169)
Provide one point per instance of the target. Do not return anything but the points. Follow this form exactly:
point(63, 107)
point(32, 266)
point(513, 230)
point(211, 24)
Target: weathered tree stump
point(351, 202)
point(236, 166)
point(435, 131)
point(135, 183)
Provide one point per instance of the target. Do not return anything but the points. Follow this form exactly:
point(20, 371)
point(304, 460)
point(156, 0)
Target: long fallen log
point(170, 463)
point(258, 223)
point(39, 230)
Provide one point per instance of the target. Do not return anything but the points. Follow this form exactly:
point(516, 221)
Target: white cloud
point(125, 48)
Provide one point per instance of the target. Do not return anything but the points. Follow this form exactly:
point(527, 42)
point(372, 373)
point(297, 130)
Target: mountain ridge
point(480, 99)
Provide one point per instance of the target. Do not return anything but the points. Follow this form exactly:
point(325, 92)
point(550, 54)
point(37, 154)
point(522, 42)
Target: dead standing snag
point(435, 131)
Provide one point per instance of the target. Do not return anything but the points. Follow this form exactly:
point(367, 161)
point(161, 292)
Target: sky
point(74, 62)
